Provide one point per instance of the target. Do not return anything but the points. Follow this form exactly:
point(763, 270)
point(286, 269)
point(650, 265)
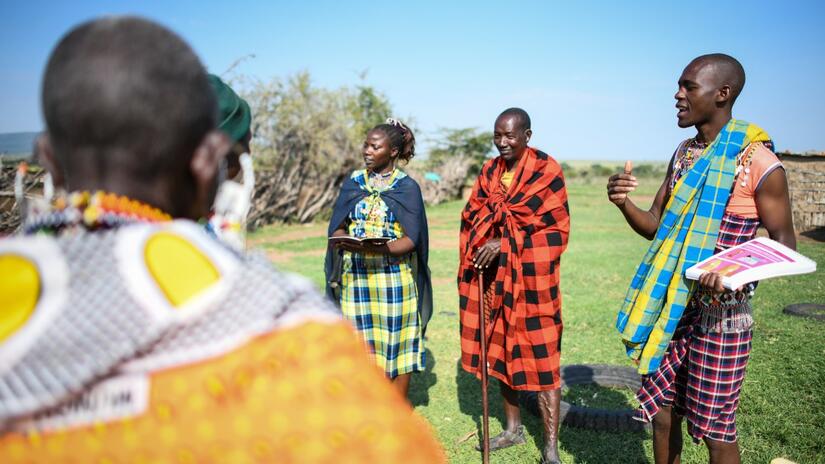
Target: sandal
point(506, 439)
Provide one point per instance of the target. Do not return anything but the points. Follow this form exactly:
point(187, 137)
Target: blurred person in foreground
point(692, 340)
point(129, 334)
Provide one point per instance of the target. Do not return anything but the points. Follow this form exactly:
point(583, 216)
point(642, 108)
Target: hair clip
point(396, 123)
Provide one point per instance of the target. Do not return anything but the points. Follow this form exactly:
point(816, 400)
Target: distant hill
point(17, 144)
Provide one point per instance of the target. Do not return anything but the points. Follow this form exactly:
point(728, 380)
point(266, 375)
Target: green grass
point(296, 245)
point(782, 410)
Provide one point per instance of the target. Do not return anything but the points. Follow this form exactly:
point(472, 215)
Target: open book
point(760, 258)
point(373, 241)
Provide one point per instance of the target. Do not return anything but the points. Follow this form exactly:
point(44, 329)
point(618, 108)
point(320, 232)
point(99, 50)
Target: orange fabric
point(303, 395)
point(762, 162)
point(531, 219)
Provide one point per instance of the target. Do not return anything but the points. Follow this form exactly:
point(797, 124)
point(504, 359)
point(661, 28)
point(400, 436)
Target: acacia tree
point(456, 159)
point(468, 143)
point(306, 141)
point(368, 109)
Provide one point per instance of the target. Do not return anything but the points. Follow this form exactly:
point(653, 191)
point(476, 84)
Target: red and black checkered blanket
point(531, 218)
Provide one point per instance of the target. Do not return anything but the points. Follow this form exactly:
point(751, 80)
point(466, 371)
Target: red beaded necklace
point(95, 210)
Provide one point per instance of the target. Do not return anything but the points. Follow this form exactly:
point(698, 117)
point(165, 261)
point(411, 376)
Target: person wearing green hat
point(234, 118)
point(232, 203)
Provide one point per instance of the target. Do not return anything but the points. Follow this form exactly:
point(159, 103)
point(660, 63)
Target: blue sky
point(597, 78)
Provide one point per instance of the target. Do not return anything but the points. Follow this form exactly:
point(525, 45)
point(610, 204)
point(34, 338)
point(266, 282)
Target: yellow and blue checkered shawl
point(686, 235)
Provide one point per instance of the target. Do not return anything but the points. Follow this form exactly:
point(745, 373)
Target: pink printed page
point(748, 256)
point(723, 266)
point(766, 249)
point(755, 260)
point(754, 254)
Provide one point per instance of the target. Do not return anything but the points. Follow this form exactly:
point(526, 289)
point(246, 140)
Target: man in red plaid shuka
point(514, 229)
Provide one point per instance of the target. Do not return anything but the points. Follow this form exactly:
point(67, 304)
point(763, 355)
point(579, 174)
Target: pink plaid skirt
point(700, 377)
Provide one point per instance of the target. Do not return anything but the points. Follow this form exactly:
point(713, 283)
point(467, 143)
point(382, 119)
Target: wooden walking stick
point(485, 411)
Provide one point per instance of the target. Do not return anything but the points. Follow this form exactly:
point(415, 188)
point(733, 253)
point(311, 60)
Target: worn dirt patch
point(439, 281)
point(443, 242)
point(286, 256)
point(310, 231)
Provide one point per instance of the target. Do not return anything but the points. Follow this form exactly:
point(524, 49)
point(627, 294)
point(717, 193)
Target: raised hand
point(619, 185)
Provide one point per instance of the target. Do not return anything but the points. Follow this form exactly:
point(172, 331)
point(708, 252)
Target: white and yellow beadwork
point(33, 287)
point(19, 292)
point(180, 270)
point(174, 271)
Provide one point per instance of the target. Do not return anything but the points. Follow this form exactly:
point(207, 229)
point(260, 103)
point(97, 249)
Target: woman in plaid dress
point(382, 288)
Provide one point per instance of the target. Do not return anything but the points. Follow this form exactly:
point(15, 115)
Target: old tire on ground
point(603, 375)
point(811, 310)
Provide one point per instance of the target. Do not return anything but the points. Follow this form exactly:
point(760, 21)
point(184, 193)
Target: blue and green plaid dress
point(378, 291)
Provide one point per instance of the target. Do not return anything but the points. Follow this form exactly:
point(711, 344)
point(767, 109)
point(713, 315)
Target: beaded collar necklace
point(379, 180)
point(691, 150)
point(384, 175)
point(93, 211)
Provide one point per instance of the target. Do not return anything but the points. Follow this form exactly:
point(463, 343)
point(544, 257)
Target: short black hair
point(729, 71)
point(521, 115)
point(126, 94)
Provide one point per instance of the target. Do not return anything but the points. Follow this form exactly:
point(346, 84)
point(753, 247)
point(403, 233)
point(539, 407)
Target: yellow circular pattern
point(181, 270)
point(19, 293)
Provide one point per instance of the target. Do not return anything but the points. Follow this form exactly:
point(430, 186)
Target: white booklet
point(374, 241)
point(758, 259)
